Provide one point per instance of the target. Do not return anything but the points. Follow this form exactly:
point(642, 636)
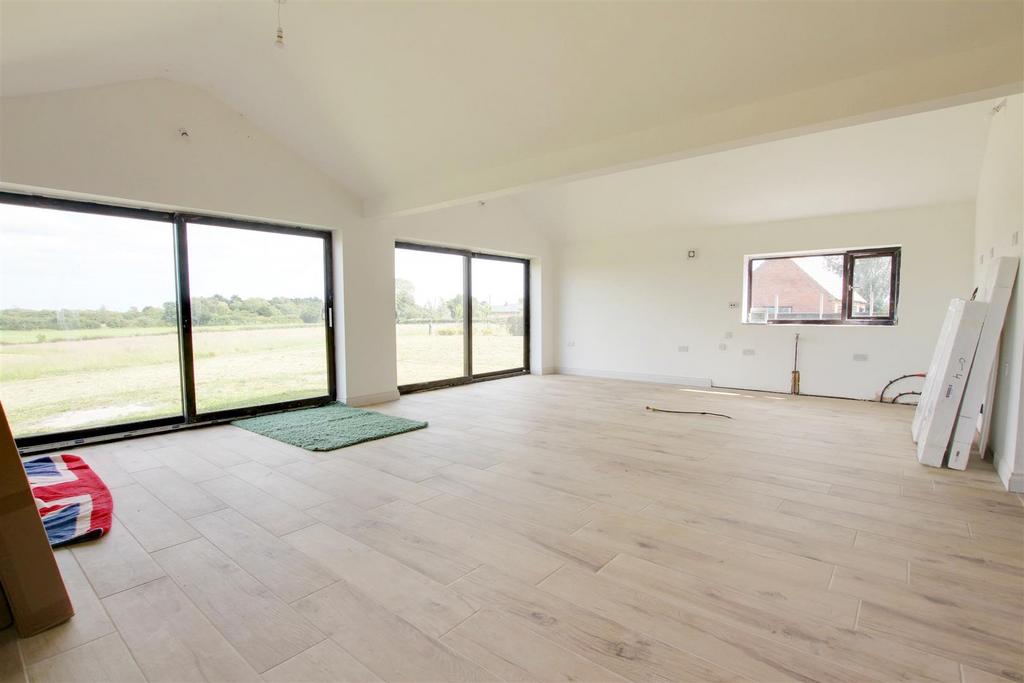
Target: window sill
point(816, 324)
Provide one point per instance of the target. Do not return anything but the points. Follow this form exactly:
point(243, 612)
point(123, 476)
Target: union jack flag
point(73, 501)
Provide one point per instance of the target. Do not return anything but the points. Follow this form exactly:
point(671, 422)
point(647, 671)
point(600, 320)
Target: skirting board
point(371, 399)
point(703, 382)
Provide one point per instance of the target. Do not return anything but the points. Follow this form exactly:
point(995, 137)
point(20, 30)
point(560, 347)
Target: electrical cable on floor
point(881, 394)
point(905, 393)
point(685, 412)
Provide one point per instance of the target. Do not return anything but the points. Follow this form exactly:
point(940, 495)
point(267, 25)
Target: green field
point(61, 380)
point(432, 352)
point(124, 375)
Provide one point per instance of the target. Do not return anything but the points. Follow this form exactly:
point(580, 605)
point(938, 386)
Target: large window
point(843, 287)
point(459, 316)
point(88, 321)
point(258, 317)
point(430, 319)
point(115, 319)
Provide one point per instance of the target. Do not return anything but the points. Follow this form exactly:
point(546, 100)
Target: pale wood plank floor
point(548, 528)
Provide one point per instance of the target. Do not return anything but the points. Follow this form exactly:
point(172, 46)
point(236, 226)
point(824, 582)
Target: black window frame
point(850, 256)
point(468, 376)
point(179, 221)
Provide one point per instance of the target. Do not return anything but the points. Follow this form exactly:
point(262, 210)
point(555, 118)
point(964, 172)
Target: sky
point(435, 275)
point(51, 259)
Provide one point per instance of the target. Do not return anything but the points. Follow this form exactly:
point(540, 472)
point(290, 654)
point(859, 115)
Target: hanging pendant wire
point(279, 40)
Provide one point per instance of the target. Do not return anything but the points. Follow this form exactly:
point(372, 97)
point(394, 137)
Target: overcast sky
point(59, 259)
point(436, 275)
point(52, 259)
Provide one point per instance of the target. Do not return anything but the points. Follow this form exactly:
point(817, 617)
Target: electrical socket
point(748, 352)
point(860, 356)
point(734, 304)
point(728, 335)
point(722, 347)
point(684, 349)
point(571, 344)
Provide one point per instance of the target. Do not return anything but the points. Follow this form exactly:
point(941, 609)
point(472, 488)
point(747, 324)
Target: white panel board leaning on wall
point(940, 400)
point(995, 291)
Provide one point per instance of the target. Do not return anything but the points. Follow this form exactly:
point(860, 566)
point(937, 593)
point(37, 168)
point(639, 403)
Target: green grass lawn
point(424, 357)
point(86, 378)
point(63, 385)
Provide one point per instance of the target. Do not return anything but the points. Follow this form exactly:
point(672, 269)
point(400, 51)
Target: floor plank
point(12, 669)
point(89, 623)
point(116, 564)
point(427, 604)
point(325, 662)
point(170, 638)
point(383, 641)
point(102, 660)
point(263, 629)
point(266, 557)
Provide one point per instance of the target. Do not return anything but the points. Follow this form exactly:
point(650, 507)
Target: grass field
point(430, 354)
point(133, 374)
point(60, 380)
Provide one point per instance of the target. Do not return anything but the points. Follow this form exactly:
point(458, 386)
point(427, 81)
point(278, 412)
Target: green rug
point(332, 426)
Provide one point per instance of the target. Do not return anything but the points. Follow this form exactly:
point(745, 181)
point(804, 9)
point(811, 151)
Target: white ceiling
point(388, 96)
point(930, 158)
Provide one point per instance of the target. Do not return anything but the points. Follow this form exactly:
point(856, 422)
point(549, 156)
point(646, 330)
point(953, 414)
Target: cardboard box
point(29, 577)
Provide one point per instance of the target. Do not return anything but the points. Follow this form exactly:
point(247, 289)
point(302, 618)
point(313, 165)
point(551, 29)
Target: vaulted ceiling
point(413, 105)
point(916, 160)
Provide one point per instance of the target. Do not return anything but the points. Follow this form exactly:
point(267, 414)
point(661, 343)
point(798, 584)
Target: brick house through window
point(802, 288)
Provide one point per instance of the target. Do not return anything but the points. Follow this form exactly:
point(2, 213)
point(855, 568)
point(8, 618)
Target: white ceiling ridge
point(948, 80)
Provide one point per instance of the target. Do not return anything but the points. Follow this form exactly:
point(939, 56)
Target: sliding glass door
point(429, 316)
point(459, 316)
point(88, 320)
point(116, 319)
point(257, 317)
point(499, 315)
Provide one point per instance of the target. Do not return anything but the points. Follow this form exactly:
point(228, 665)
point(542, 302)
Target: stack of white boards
point(958, 388)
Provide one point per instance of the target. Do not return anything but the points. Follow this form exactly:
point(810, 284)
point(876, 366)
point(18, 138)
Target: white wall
point(120, 143)
point(1000, 215)
point(626, 304)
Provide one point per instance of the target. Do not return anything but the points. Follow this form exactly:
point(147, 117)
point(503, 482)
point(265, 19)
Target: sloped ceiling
point(929, 158)
point(411, 105)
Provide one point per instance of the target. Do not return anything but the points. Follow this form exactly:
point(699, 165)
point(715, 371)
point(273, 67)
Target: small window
point(843, 287)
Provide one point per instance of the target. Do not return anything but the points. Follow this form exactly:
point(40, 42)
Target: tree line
point(206, 310)
point(408, 311)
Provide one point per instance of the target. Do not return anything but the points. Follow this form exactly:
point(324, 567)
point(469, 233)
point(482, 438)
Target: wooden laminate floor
point(548, 528)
